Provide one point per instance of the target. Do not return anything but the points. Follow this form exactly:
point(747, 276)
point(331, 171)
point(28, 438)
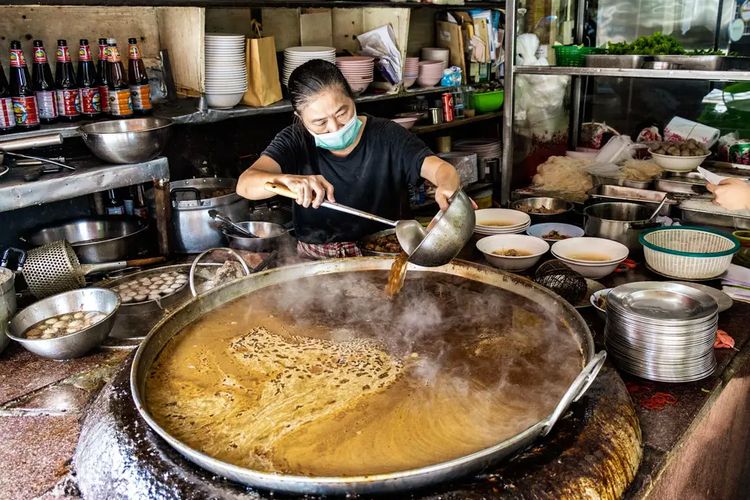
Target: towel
point(736, 283)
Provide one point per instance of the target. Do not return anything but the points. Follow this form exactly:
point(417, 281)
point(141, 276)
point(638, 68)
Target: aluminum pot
point(270, 236)
point(618, 221)
point(7, 303)
point(193, 231)
point(127, 141)
point(172, 325)
point(97, 239)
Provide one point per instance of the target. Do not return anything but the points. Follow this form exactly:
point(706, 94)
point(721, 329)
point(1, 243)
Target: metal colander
point(52, 268)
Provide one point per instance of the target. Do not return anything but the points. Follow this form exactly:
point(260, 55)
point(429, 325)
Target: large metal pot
point(7, 303)
point(193, 231)
point(98, 239)
point(618, 221)
point(171, 326)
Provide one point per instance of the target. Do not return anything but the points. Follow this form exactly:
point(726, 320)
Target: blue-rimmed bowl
point(567, 230)
point(688, 252)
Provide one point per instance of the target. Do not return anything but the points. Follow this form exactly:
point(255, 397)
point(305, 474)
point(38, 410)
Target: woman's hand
point(732, 194)
point(311, 190)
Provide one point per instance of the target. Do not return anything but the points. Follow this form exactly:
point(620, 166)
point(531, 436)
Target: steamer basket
point(688, 252)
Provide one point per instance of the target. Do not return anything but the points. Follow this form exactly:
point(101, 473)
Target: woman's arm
point(311, 190)
point(732, 194)
point(443, 176)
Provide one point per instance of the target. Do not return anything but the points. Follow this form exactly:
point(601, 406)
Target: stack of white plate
point(486, 149)
point(662, 331)
point(491, 221)
point(358, 71)
point(297, 56)
point(226, 72)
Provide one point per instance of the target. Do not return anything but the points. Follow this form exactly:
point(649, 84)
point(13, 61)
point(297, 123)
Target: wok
point(172, 325)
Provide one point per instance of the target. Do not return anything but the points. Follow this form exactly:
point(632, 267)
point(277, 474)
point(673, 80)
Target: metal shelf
point(91, 176)
point(426, 129)
point(684, 74)
point(266, 3)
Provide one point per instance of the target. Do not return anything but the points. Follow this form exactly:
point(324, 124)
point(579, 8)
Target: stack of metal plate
point(662, 331)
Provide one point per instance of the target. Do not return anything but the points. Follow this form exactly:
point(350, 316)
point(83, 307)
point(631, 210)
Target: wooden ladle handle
point(280, 189)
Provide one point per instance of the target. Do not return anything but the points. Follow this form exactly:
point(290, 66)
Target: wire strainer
point(52, 268)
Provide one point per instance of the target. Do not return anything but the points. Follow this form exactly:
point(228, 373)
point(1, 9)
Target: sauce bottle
point(120, 104)
point(140, 90)
point(68, 98)
point(101, 75)
point(7, 118)
point(88, 87)
point(21, 91)
point(44, 85)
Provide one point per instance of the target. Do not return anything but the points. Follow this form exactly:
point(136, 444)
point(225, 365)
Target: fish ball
point(78, 315)
point(126, 299)
point(66, 317)
point(72, 329)
point(50, 331)
point(154, 296)
point(60, 324)
point(140, 297)
point(50, 321)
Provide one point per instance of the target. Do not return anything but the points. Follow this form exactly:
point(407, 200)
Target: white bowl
point(224, 101)
point(678, 163)
point(500, 218)
point(569, 230)
point(580, 255)
point(594, 299)
point(534, 246)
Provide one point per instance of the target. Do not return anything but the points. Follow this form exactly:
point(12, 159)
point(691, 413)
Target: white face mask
point(342, 138)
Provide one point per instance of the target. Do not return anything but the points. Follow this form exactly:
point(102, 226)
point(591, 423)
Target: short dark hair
point(314, 77)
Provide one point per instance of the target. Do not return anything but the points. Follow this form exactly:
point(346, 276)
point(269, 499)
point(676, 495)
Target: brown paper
point(450, 36)
point(316, 28)
point(263, 86)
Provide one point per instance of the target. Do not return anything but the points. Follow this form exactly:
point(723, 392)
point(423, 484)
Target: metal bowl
point(127, 141)
point(363, 242)
point(533, 207)
point(269, 236)
point(76, 344)
point(97, 239)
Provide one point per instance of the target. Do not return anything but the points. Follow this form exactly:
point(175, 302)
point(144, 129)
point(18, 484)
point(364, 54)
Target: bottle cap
point(38, 43)
point(62, 42)
point(132, 40)
point(83, 41)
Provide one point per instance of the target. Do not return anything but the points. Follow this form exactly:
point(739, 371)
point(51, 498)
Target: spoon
point(216, 215)
point(410, 233)
point(656, 212)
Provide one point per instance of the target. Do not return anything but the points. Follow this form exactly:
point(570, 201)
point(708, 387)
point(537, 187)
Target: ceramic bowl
point(533, 247)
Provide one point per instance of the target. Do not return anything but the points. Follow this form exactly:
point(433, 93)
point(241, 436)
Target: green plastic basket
point(574, 55)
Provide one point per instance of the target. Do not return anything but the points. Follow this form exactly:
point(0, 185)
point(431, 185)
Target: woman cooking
point(332, 153)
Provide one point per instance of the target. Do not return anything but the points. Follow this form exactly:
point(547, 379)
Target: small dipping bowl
point(536, 247)
point(595, 297)
point(568, 230)
point(76, 344)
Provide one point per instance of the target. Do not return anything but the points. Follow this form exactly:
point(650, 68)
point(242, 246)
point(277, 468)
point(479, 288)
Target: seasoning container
point(436, 115)
point(443, 144)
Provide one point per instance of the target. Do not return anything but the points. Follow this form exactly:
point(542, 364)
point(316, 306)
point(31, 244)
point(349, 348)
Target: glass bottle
point(43, 84)
point(88, 87)
point(68, 98)
point(21, 91)
point(120, 104)
point(140, 90)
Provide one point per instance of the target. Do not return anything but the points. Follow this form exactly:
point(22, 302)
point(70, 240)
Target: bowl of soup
point(512, 252)
point(591, 257)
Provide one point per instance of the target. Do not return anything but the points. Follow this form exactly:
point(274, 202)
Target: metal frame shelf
point(686, 74)
point(89, 177)
point(331, 4)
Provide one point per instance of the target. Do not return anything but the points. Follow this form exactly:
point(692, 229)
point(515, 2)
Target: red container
point(448, 107)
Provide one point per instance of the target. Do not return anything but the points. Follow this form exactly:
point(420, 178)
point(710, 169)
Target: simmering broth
point(324, 376)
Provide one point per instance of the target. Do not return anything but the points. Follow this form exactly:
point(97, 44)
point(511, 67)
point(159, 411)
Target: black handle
point(644, 225)
point(192, 190)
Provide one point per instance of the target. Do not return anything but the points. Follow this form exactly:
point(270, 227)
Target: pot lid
point(203, 192)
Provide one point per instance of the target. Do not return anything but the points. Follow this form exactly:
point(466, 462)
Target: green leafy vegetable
point(656, 44)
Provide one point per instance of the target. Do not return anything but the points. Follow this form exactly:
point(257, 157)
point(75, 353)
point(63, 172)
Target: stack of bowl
point(491, 221)
point(226, 72)
point(485, 149)
point(297, 56)
point(662, 331)
point(411, 71)
point(590, 257)
point(358, 71)
point(436, 54)
point(430, 73)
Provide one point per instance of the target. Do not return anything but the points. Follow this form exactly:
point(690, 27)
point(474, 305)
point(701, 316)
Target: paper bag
point(449, 36)
point(263, 86)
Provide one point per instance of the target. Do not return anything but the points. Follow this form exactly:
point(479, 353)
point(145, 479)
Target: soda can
point(447, 107)
point(739, 152)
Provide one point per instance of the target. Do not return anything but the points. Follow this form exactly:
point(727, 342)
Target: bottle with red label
point(120, 104)
point(44, 85)
point(7, 118)
point(21, 91)
point(140, 90)
point(68, 97)
point(88, 87)
point(101, 75)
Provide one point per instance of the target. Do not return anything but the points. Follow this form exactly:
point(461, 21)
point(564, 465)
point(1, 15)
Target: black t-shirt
point(387, 159)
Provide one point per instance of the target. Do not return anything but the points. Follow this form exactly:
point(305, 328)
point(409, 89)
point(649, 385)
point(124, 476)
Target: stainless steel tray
point(706, 63)
point(691, 183)
point(609, 192)
point(609, 61)
point(715, 219)
point(623, 182)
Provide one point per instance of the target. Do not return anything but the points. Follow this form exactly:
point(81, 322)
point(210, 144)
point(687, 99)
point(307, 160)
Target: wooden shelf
point(426, 129)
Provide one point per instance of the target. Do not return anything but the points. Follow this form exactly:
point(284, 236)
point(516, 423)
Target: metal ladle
point(216, 215)
point(449, 230)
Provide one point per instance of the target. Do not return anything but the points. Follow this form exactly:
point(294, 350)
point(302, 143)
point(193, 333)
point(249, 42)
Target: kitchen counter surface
point(696, 447)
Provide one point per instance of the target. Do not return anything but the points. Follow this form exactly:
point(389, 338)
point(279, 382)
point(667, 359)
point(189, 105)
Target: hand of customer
point(311, 190)
point(732, 194)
